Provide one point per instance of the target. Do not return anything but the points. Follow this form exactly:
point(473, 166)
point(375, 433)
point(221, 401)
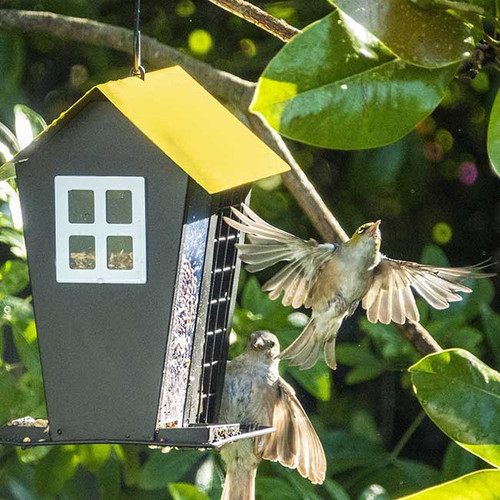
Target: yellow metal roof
point(190, 126)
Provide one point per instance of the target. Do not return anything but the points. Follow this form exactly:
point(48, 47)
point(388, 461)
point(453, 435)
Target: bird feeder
point(133, 270)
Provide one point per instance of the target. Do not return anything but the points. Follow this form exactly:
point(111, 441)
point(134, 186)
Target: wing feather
point(295, 443)
point(270, 245)
point(390, 298)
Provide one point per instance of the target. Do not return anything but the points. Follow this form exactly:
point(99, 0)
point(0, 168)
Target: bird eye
point(362, 229)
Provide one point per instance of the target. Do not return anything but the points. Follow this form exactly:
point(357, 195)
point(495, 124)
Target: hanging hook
point(138, 69)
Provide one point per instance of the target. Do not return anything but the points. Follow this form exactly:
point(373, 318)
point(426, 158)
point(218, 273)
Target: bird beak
point(259, 344)
point(374, 227)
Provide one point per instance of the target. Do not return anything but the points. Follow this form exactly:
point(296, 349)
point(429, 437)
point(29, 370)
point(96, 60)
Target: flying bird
point(255, 395)
point(332, 279)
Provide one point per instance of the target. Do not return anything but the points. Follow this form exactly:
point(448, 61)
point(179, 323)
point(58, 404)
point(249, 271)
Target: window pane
point(82, 252)
point(81, 206)
point(119, 207)
point(120, 252)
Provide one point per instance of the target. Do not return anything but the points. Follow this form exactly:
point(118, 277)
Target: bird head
point(264, 342)
point(367, 237)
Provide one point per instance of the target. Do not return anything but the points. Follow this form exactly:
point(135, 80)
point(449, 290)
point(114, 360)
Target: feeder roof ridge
point(189, 125)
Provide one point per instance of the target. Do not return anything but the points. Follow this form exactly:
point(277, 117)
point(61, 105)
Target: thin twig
point(226, 87)
point(300, 186)
point(277, 27)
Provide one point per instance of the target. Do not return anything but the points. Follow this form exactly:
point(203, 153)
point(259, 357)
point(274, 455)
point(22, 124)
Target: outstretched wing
point(270, 245)
point(390, 298)
point(295, 443)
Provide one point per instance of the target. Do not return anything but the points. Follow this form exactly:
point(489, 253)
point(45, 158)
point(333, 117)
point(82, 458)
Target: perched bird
point(332, 279)
point(254, 394)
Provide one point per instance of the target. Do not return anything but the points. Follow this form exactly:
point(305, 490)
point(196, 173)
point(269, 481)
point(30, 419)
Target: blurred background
point(439, 203)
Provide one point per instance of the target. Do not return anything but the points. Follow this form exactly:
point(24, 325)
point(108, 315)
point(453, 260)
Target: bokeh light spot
point(444, 138)
point(248, 47)
point(442, 233)
point(433, 152)
point(185, 8)
point(467, 173)
point(200, 42)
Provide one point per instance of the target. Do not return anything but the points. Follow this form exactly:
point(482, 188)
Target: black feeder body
point(133, 270)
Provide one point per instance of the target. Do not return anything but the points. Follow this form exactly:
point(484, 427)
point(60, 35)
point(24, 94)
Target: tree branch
point(277, 27)
point(226, 87)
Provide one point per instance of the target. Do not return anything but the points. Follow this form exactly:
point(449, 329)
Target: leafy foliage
point(433, 188)
point(462, 396)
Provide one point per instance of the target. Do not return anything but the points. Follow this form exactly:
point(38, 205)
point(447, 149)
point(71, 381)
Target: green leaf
point(9, 145)
point(316, 381)
point(457, 462)
point(374, 492)
point(491, 326)
point(363, 373)
point(94, 456)
point(434, 256)
point(28, 124)
point(274, 489)
point(55, 469)
point(476, 6)
point(7, 170)
point(128, 456)
point(12, 58)
point(13, 277)
point(462, 396)
point(483, 484)
point(334, 87)
point(259, 303)
point(335, 490)
point(493, 142)
point(109, 479)
point(345, 451)
point(164, 468)
point(437, 37)
point(185, 491)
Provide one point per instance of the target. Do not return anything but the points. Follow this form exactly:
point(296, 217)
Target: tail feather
point(305, 351)
point(329, 352)
point(239, 485)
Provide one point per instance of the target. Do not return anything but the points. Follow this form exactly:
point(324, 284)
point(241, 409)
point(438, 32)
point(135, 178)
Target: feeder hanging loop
point(138, 69)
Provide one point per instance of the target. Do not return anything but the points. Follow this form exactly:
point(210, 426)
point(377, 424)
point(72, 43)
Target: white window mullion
point(100, 229)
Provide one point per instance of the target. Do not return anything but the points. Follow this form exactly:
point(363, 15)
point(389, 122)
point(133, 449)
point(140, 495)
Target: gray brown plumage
point(332, 279)
point(254, 394)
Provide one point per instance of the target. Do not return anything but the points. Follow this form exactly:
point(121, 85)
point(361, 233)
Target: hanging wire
point(138, 69)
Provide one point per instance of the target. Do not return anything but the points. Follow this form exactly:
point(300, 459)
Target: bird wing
point(390, 298)
point(270, 245)
point(295, 443)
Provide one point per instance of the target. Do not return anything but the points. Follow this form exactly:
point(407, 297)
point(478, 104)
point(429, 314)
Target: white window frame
point(100, 229)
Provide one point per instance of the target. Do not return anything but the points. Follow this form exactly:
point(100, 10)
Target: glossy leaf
point(477, 6)
point(9, 144)
point(483, 484)
point(185, 491)
point(337, 88)
point(462, 396)
point(494, 135)
point(437, 37)
point(457, 462)
point(28, 124)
